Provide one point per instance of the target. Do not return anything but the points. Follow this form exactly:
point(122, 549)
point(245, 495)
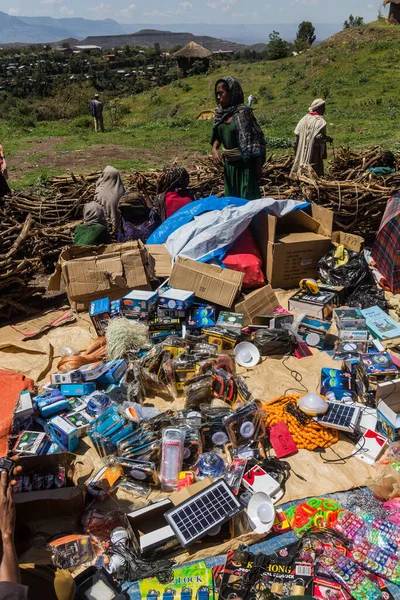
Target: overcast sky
point(198, 11)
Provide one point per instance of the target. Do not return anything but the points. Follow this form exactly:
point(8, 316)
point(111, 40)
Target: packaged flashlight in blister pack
point(164, 419)
point(224, 386)
point(136, 440)
point(173, 441)
point(191, 340)
point(243, 395)
point(212, 435)
point(192, 447)
point(214, 414)
point(234, 475)
point(189, 417)
point(197, 391)
point(185, 369)
point(245, 425)
point(152, 360)
point(204, 350)
point(139, 470)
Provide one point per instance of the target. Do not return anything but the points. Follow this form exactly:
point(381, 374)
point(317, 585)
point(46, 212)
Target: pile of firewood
point(34, 227)
point(36, 224)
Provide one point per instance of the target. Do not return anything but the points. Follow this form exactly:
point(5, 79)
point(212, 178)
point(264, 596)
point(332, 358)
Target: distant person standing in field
point(96, 108)
point(4, 189)
point(250, 101)
point(311, 139)
point(236, 129)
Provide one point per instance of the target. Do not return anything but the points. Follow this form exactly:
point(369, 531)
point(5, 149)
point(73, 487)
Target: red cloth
point(11, 385)
point(175, 200)
point(244, 256)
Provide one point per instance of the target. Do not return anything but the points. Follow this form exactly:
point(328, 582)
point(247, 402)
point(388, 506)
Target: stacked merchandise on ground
point(219, 457)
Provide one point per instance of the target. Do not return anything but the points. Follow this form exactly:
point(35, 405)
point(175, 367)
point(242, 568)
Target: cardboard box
point(208, 282)
point(291, 246)
point(139, 303)
point(24, 407)
point(93, 272)
point(160, 260)
point(350, 318)
point(260, 302)
point(388, 401)
point(176, 299)
point(77, 389)
point(99, 313)
point(232, 321)
point(48, 504)
point(74, 376)
point(64, 433)
point(313, 332)
point(151, 527)
point(348, 240)
point(115, 371)
point(349, 335)
point(189, 491)
point(319, 305)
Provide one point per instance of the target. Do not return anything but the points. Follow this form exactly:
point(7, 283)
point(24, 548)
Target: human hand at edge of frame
point(17, 470)
point(7, 507)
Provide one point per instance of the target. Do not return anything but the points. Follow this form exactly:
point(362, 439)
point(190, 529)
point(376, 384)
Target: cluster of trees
point(353, 21)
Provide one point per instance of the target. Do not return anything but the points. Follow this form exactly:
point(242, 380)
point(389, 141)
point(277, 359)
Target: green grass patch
point(355, 71)
point(37, 177)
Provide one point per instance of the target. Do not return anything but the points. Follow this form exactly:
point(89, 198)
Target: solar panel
point(340, 416)
point(201, 513)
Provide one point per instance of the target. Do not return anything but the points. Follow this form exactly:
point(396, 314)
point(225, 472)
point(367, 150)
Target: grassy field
point(356, 71)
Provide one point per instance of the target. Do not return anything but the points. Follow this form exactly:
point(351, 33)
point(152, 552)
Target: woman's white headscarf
point(93, 214)
point(109, 189)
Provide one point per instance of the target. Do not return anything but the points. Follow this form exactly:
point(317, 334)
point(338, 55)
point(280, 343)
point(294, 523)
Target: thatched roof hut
point(191, 53)
point(394, 11)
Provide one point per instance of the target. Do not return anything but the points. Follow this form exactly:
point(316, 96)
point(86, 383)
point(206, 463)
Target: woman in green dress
point(236, 129)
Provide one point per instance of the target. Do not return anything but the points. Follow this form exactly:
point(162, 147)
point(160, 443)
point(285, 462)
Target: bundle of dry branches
point(37, 224)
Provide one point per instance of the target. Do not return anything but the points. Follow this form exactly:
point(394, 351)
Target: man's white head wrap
point(316, 105)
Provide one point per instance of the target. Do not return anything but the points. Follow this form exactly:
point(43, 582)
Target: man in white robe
point(311, 139)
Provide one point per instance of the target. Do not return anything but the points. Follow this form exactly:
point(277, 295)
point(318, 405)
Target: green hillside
point(356, 71)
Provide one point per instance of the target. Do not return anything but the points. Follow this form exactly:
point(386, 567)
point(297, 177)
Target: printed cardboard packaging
point(291, 246)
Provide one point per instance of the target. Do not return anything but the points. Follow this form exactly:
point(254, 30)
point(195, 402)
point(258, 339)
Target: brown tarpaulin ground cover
point(37, 358)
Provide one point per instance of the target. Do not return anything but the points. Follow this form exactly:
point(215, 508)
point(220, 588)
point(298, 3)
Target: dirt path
point(42, 154)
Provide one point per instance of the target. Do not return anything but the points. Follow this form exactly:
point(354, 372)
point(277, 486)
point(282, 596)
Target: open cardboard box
point(160, 259)
point(388, 412)
point(208, 282)
point(259, 302)
point(348, 240)
point(153, 532)
point(58, 502)
point(94, 272)
point(291, 246)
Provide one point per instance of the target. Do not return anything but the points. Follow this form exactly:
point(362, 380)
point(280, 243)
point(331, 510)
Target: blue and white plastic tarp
point(206, 229)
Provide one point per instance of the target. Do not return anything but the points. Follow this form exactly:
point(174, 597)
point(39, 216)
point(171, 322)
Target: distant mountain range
point(147, 38)
point(32, 30)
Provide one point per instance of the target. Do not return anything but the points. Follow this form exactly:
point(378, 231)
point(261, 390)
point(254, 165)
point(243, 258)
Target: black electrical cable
point(340, 459)
point(298, 377)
